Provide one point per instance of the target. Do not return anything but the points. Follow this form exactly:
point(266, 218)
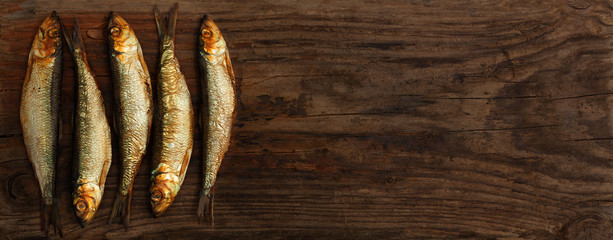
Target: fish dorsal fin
point(188, 156)
point(107, 162)
point(105, 170)
point(141, 59)
point(229, 67)
point(30, 61)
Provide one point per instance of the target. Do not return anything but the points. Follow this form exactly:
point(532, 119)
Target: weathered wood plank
point(360, 120)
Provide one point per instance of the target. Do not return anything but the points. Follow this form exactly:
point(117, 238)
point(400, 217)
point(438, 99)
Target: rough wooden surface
point(361, 120)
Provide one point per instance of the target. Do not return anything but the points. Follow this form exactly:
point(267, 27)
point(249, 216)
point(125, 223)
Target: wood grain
point(360, 120)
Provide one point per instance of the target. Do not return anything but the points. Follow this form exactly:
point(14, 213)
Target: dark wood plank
point(360, 120)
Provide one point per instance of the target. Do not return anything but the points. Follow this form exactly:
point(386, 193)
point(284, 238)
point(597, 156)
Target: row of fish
point(173, 117)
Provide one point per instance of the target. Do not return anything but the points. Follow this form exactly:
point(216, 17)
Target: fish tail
point(74, 40)
point(121, 208)
point(126, 210)
point(205, 207)
point(166, 24)
point(51, 217)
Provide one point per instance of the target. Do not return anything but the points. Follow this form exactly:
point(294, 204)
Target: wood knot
point(22, 187)
point(589, 226)
point(579, 4)
point(390, 180)
point(94, 34)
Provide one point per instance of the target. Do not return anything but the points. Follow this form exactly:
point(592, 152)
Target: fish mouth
point(157, 212)
point(84, 210)
point(53, 15)
point(116, 20)
point(51, 20)
point(85, 202)
point(161, 197)
point(163, 191)
point(208, 23)
point(210, 40)
point(84, 223)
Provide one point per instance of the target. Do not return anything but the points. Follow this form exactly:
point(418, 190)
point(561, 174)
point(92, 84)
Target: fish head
point(211, 43)
point(86, 200)
point(164, 188)
point(48, 39)
point(121, 36)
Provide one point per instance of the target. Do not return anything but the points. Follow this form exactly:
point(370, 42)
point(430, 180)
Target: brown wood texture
point(418, 119)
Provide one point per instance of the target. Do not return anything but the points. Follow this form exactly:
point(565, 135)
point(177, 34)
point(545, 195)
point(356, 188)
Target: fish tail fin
point(74, 40)
point(205, 207)
point(166, 24)
point(51, 217)
point(126, 210)
point(121, 208)
point(118, 206)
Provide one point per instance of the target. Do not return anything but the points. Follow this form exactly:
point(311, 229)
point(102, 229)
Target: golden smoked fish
point(173, 121)
point(40, 114)
point(92, 135)
point(133, 108)
point(218, 109)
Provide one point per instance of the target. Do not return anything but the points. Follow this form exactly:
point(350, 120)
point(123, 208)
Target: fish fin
point(121, 208)
point(126, 213)
point(74, 41)
point(188, 156)
point(30, 61)
point(43, 217)
point(172, 22)
point(229, 68)
point(158, 21)
point(107, 162)
point(67, 37)
point(118, 206)
point(166, 24)
point(51, 217)
point(145, 73)
point(105, 170)
point(143, 64)
point(205, 207)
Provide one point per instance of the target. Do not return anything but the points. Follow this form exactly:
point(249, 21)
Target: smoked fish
point(39, 113)
point(217, 111)
point(133, 108)
point(173, 120)
point(92, 135)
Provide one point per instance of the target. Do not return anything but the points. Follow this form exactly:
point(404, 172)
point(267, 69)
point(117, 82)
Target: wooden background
point(420, 119)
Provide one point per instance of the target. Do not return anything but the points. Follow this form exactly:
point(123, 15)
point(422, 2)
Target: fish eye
point(156, 196)
point(53, 33)
point(115, 31)
point(206, 33)
point(81, 206)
